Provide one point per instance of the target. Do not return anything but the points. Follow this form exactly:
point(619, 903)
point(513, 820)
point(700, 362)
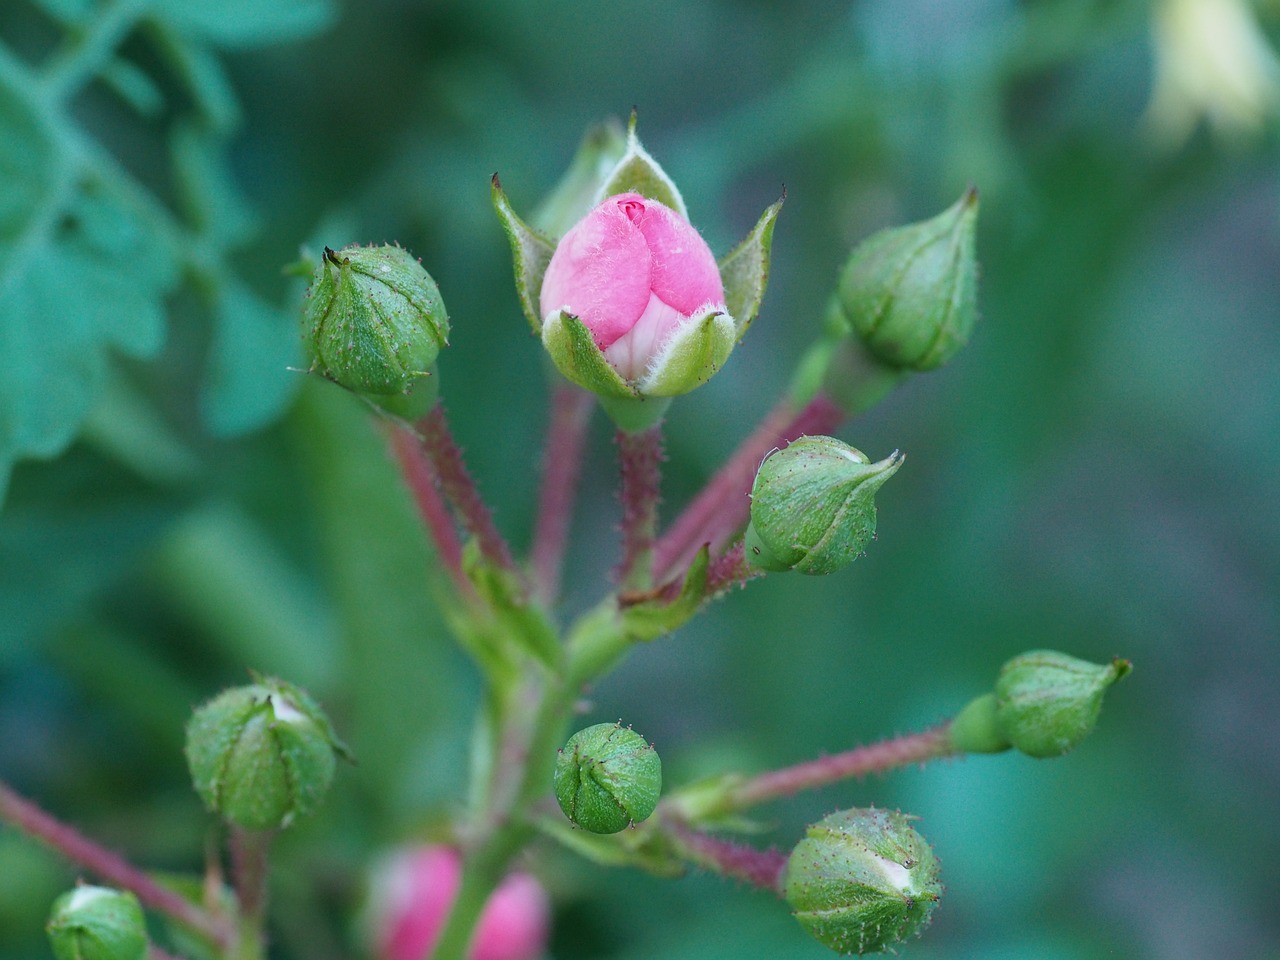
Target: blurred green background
point(1096, 472)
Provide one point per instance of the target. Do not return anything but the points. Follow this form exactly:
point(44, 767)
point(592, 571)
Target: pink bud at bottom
point(414, 893)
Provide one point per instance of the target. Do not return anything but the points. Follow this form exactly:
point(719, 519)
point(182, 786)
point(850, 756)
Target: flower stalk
point(561, 468)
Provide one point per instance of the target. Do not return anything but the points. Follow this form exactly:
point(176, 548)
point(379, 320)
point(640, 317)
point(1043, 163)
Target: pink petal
point(514, 923)
point(630, 354)
point(600, 272)
point(419, 890)
point(685, 274)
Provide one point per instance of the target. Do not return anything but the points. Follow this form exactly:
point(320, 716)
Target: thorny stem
point(880, 757)
point(760, 868)
point(561, 468)
point(455, 480)
point(723, 506)
point(639, 455)
point(30, 819)
point(731, 569)
point(421, 480)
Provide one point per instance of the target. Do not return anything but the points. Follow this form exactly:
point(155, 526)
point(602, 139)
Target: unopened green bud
point(862, 880)
point(607, 777)
point(1047, 702)
point(261, 755)
point(813, 506)
point(97, 923)
point(374, 322)
point(910, 292)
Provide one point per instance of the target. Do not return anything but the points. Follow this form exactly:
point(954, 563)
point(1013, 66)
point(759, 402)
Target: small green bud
point(813, 506)
point(374, 323)
point(910, 292)
point(862, 880)
point(1047, 702)
point(261, 755)
point(97, 923)
point(607, 777)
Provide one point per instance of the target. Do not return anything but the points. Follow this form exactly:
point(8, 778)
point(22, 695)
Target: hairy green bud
point(1047, 702)
point(607, 777)
point(97, 923)
point(813, 506)
point(910, 292)
point(374, 322)
point(862, 880)
point(261, 755)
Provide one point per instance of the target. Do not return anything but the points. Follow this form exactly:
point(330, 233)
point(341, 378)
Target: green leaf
point(531, 252)
point(576, 355)
point(247, 23)
point(745, 270)
point(249, 381)
point(637, 172)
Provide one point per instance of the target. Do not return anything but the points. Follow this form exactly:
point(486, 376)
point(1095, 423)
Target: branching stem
point(420, 477)
point(114, 869)
point(760, 868)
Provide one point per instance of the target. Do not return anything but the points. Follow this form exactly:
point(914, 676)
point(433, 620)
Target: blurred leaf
point(249, 380)
point(80, 273)
point(247, 23)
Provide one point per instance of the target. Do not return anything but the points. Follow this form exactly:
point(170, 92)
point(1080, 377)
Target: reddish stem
point(446, 457)
point(421, 480)
point(561, 468)
point(639, 455)
point(731, 569)
point(249, 850)
point(760, 868)
point(723, 506)
point(872, 758)
point(111, 867)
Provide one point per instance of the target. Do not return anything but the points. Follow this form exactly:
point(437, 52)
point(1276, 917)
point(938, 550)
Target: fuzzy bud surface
point(862, 880)
point(607, 777)
point(97, 923)
point(636, 273)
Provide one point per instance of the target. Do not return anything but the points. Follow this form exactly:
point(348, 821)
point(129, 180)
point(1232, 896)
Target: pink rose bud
point(633, 271)
point(414, 893)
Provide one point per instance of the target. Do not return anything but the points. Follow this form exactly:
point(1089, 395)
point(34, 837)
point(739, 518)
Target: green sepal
point(1047, 702)
point(520, 622)
point(642, 848)
point(647, 621)
point(573, 197)
point(637, 172)
point(691, 356)
point(531, 252)
point(975, 730)
point(607, 778)
point(744, 271)
point(575, 354)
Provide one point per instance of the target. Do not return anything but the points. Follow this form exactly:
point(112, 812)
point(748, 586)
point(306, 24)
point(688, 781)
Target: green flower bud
point(607, 777)
point(861, 880)
point(261, 755)
point(1047, 702)
point(374, 323)
point(97, 923)
point(813, 506)
point(910, 292)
